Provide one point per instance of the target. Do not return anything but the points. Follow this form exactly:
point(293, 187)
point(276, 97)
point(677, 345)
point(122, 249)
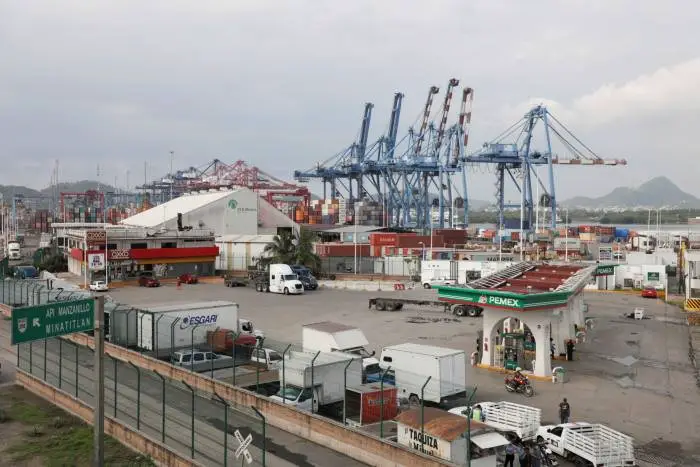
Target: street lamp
point(566, 236)
point(422, 250)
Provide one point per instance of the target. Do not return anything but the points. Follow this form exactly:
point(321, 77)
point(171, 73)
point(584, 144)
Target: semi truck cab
point(284, 280)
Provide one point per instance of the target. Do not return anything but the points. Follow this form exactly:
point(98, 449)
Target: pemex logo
point(232, 204)
point(483, 299)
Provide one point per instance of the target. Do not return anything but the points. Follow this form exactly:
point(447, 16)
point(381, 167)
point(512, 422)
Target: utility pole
point(99, 420)
point(172, 177)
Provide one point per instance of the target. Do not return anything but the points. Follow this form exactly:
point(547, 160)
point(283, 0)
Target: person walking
point(564, 411)
point(526, 459)
point(510, 455)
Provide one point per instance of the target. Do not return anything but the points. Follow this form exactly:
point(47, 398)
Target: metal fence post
point(223, 401)
point(156, 347)
point(257, 368)
point(138, 395)
point(422, 415)
point(140, 330)
point(77, 373)
point(381, 403)
point(234, 336)
point(192, 345)
point(162, 379)
point(60, 362)
point(264, 434)
point(31, 353)
point(469, 428)
point(172, 337)
point(192, 438)
point(45, 352)
point(345, 391)
point(114, 361)
point(284, 357)
point(313, 360)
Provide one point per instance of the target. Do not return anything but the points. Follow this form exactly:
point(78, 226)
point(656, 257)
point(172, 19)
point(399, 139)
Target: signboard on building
point(605, 253)
point(238, 209)
point(96, 261)
point(507, 300)
point(605, 270)
point(51, 320)
point(96, 236)
point(414, 439)
point(653, 276)
point(119, 255)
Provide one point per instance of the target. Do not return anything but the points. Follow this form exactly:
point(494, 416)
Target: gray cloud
point(282, 84)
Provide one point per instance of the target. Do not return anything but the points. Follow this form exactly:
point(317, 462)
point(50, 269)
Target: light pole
point(172, 178)
point(354, 237)
point(566, 236)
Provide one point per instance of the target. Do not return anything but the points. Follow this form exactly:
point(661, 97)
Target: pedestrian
point(510, 455)
point(551, 347)
point(564, 411)
point(526, 459)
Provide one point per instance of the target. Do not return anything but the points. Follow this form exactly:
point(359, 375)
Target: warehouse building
point(242, 222)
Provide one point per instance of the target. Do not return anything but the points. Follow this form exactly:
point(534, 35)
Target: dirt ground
point(35, 433)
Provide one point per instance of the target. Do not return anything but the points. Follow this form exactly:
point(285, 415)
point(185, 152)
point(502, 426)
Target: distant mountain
point(8, 191)
point(658, 192)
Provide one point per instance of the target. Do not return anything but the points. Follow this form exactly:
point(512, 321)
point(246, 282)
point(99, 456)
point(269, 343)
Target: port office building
point(193, 233)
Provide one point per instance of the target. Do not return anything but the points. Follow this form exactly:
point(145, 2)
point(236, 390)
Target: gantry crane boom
point(426, 118)
point(445, 113)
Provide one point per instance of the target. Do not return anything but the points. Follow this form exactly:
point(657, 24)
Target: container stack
point(301, 216)
point(344, 211)
point(587, 233)
point(324, 211)
point(453, 237)
point(605, 233)
point(369, 213)
point(41, 221)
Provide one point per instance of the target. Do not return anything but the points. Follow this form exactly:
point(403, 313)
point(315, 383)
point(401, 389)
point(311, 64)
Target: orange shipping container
point(365, 404)
point(383, 239)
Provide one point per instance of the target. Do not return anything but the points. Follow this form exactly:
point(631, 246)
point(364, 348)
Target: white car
point(428, 284)
point(98, 286)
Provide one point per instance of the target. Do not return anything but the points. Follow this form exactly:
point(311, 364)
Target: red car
point(649, 292)
point(188, 279)
point(148, 281)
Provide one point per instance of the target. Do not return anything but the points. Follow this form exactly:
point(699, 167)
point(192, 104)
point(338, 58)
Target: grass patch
point(57, 439)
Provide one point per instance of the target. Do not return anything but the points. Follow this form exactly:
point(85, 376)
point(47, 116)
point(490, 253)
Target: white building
point(242, 222)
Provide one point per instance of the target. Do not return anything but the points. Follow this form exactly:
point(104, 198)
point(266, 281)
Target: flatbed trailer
point(396, 304)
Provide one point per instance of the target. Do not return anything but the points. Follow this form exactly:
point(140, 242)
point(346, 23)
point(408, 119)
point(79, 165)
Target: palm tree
point(288, 248)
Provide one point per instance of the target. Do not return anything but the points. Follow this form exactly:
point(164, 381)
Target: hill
point(658, 192)
point(8, 191)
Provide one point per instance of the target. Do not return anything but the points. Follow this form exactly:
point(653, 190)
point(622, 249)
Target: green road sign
point(33, 323)
point(653, 276)
point(605, 270)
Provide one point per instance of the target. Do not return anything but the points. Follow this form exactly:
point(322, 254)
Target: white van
point(284, 280)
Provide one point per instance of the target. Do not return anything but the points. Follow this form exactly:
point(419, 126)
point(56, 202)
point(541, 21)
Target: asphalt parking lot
point(634, 376)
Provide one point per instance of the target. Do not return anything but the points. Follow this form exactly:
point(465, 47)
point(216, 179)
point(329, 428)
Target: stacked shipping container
point(324, 212)
point(41, 221)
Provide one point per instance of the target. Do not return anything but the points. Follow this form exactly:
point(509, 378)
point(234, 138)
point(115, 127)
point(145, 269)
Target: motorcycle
point(523, 387)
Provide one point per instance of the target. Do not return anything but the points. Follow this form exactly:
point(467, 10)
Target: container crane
point(516, 162)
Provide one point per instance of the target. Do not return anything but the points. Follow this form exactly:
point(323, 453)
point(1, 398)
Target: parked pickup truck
point(586, 443)
point(187, 357)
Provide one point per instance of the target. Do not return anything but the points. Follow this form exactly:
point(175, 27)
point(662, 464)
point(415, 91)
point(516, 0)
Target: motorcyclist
point(519, 379)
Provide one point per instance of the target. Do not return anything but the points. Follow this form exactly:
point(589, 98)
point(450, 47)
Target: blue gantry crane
point(412, 177)
point(515, 161)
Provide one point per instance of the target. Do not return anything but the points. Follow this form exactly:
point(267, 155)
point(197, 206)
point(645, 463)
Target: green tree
point(288, 248)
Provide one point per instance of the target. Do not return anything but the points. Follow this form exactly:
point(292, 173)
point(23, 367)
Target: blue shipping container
point(622, 233)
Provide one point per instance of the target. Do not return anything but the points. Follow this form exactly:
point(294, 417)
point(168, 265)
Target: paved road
point(282, 448)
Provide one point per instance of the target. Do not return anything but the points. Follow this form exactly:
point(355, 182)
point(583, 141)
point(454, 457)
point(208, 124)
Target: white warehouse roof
point(184, 204)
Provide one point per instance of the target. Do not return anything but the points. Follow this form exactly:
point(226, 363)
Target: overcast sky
point(282, 84)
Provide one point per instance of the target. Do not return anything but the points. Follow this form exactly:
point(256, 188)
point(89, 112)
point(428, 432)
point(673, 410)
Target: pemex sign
point(605, 270)
point(503, 300)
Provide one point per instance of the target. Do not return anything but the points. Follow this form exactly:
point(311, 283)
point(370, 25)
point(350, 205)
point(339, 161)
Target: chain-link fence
point(207, 429)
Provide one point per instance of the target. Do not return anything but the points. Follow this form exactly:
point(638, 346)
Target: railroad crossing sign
point(243, 446)
point(33, 323)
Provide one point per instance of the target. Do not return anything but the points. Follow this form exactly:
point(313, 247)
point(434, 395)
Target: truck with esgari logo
point(163, 329)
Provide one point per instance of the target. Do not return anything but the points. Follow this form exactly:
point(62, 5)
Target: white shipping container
point(166, 327)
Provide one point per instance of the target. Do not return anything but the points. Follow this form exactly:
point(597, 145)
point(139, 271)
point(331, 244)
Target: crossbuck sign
point(243, 446)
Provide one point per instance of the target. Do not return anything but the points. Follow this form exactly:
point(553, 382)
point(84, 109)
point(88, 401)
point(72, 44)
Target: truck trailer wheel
point(459, 310)
point(473, 312)
point(380, 305)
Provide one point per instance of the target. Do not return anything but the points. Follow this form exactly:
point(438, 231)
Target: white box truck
point(318, 385)
point(412, 364)
point(328, 336)
point(14, 250)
